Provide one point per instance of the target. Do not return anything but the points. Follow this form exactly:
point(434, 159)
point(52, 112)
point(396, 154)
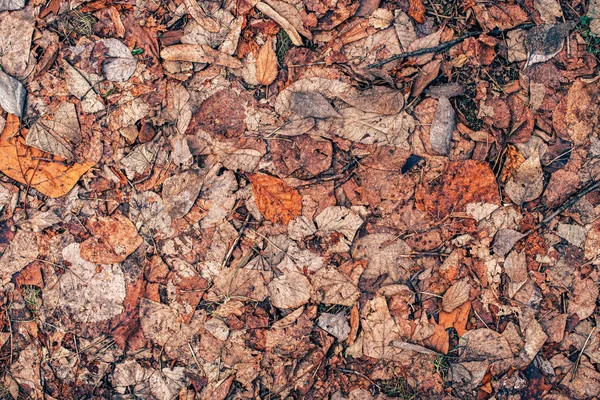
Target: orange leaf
point(417, 10)
point(354, 323)
point(440, 341)
point(266, 64)
point(33, 167)
point(457, 318)
point(276, 201)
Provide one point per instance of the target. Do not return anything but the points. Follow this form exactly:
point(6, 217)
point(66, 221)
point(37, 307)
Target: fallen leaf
point(427, 74)
point(266, 64)
point(333, 287)
point(21, 251)
point(456, 319)
point(30, 166)
point(10, 5)
point(527, 182)
point(417, 10)
point(484, 344)
point(504, 241)
point(549, 10)
point(119, 64)
point(381, 18)
point(424, 43)
point(276, 201)
point(180, 192)
point(291, 290)
point(404, 29)
point(200, 16)
point(534, 340)
point(58, 134)
point(339, 219)
point(543, 42)
point(289, 28)
point(456, 296)
point(335, 324)
point(114, 239)
point(16, 33)
point(313, 105)
point(85, 292)
point(583, 301)
point(444, 121)
point(200, 54)
point(12, 95)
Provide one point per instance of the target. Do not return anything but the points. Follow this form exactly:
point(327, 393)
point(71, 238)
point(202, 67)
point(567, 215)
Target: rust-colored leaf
point(33, 167)
point(266, 64)
point(276, 201)
point(456, 319)
point(439, 341)
point(114, 238)
point(417, 10)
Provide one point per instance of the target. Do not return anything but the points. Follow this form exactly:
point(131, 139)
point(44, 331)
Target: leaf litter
point(285, 199)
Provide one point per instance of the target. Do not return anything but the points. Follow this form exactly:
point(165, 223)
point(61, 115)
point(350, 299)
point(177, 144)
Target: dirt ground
point(299, 199)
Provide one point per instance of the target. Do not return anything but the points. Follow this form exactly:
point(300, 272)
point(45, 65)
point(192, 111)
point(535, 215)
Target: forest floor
point(287, 199)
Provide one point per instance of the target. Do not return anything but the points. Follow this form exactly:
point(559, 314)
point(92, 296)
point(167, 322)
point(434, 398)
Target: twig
point(445, 45)
point(581, 353)
point(574, 199)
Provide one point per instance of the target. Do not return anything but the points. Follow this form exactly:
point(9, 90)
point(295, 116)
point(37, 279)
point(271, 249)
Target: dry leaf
point(284, 23)
point(200, 16)
point(12, 95)
point(291, 290)
point(22, 250)
point(31, 166)
point(444, 120)
point(16, 32)
point(583, 301)
point(119, 64)
point(456, 296)
point(58, 134)
point(199, 53)
point(276, 201)
point(9, 5)
point(113, 240)
point(335, 324)
point(549, 10)
point(266, 64)
point(527, 182)
point(424, 43)
point(426, 75)
point(313, 105)
point(404, 29)
point(333, 287)
point(417, 10)
point(456, 319)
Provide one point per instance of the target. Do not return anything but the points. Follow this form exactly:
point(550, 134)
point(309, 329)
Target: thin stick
point(581, 353)
point(444, 46)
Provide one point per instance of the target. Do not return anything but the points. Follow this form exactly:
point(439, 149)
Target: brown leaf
point(456, 319)
point(114, 239)
point(200, 16)
point(456, 296)
point(444, 120)
point(440, 340)
point(33, 167)
point(276, 201)
point(527, 183)
point(266, 64)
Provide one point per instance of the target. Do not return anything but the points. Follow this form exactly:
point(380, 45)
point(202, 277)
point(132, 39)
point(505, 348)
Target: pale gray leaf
point(313, 105)
point(335, 324)
point(444, 120)
point(12, 95)
point(504, 241)
point(9, 5)
point(58, 134)
point(119, 64)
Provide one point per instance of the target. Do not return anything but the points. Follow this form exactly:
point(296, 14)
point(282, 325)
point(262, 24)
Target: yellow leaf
point(33, 167)
point(266, 64)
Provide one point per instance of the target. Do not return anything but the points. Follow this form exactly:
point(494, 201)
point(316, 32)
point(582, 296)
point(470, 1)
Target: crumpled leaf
point(276, 201)
point(266, 64)
point(119, 64)
point(456, 296)
point(535, 338)
point(527, 182)
point(148, 213)
point(444, 120)
point(21, 251)
point(58, 134)
point(12, 95)
point(32, 167)
point(335, 324)
point(291, 290)
point(384, 252)
point(113, 240)
point(87, 292)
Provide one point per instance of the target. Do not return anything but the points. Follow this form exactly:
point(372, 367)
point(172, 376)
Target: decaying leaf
point(276, 201)
point(333, 287)
point(32, 167)
point(266, 64)
point(21, 251)
point(180, 192)
point(284, 23)
point(335, 324)
point(585, 294)
point(313, 105)
point(456, 296)
point(16, 33)
point(545, 41)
